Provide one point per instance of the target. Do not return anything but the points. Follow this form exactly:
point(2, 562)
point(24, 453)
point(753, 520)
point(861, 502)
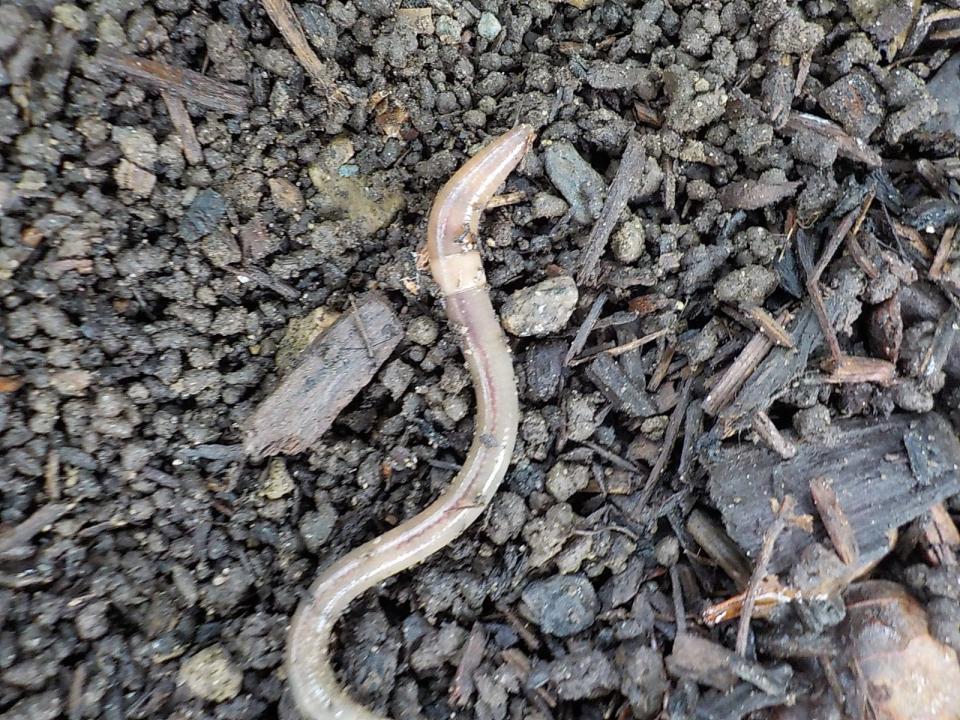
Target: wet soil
point(155, 286)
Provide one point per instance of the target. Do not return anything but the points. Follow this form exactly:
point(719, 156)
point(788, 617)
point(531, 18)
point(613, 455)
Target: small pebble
point(667, 551)
point(278, 482)
point(545, 205)
point(92, 621)
point(211, 675)
point(540, 309)
point(317, 525)
point(566, 479)
point(422, 330)
point(137, 146)
point(71, 17)
point(627, 243)
point(286, 195)
point(71, 382)
point(812, 422)
point(488, 27)
point(448, 29)
point(562, 605)
point(746, 287)
point(204, 214)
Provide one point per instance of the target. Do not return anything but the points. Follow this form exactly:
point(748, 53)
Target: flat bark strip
point(32, 525)
point(878, 486)
point(331, 371)
point(622, 188)
point(186, 84)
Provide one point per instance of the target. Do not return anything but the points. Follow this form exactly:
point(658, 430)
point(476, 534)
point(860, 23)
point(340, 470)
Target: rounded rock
point(562, 605)
point(540, 309)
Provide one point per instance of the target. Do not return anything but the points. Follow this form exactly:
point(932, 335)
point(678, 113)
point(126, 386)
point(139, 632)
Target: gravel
point(541, 309)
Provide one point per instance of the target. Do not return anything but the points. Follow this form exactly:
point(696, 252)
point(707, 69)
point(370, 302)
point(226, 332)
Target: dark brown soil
point(148, 567)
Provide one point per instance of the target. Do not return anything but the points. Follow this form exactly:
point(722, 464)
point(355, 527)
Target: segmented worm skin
point(456, 266)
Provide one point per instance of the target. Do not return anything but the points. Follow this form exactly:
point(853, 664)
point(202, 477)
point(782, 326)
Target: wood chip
point(34, 524)
point(834, 520)
point(186, 84)
point(753, 195)
point(609, 377)
point(463, 686)
point(330, 373)
point(878, 485)
point(719, 546)
point(711, 664)
point(180, 119)
point(850, 147)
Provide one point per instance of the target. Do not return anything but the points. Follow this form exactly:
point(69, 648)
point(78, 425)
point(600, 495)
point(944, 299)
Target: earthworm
point(457, 268)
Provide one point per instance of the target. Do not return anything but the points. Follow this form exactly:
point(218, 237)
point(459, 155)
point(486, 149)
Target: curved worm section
point(456, 266)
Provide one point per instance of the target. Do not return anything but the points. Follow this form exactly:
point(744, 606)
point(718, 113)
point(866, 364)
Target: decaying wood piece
point(607, 374)
point(622, 188)
point(885, 473)
point(180, 119)
point(332, 370)
point(718, 545)
point(189, 85)
point(783, 365)
point(711, 664)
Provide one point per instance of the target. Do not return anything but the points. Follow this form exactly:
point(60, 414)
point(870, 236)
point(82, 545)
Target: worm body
point(456, 266)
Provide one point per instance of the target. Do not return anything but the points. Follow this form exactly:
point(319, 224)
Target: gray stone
point(540, 309)
point(488, 26)
point(562, 605)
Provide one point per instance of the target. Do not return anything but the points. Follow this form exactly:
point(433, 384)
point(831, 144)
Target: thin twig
point(736, 375)
point(621, 190)
point(943, 253)
point(187, 84)
point(813, 283)
point(678, 610)
point(282, 15)
point(669, 440)
point(770, 326)
point(358, 321)
point(764, 427)
point(586, 327)
point(510, 198)
point(770, 537)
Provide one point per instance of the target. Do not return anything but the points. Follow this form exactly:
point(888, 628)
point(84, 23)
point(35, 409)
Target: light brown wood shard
point(331, 371)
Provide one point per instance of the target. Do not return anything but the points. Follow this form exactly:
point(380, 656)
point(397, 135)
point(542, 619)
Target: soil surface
point(162, 266)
